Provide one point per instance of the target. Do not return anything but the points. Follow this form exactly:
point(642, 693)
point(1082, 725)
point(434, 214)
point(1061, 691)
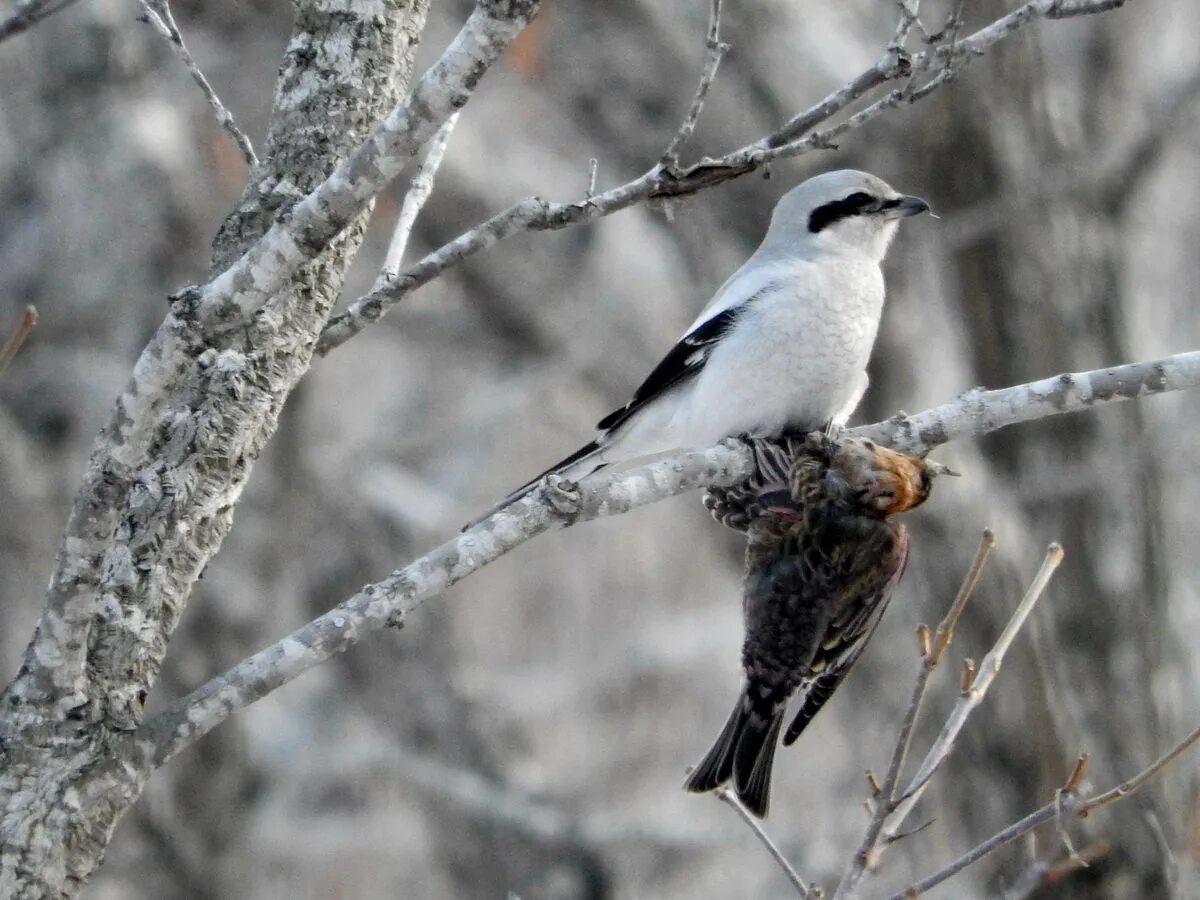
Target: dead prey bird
point(822, 560)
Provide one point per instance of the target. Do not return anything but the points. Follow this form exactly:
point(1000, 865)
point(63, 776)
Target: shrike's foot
point(562, 494)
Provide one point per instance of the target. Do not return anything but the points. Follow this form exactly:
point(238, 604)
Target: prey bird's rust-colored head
point(863, 473)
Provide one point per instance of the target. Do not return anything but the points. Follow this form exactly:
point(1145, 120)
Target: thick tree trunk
point(167, 471)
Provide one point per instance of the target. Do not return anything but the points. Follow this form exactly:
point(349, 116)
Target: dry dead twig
point(25, 325)
point(157, 14)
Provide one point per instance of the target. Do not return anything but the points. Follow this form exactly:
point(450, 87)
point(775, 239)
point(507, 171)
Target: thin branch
point(909, 10)
point(25, 326)
point(419, 190)
point(593, 171)
point(255, 278)
point(989, 668)
point(158, 16)
point(29, 14)
point(1069, 803)
point(794, 138)
point(1066, 9)
point(716, 51)
point(967, 703)
point(727, 796)
point(1133, 785)
point(388, 601)
point(1046, 814)
point(945, 629)
point(885, 797)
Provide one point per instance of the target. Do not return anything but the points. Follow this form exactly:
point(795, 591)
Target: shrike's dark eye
point(859, 199)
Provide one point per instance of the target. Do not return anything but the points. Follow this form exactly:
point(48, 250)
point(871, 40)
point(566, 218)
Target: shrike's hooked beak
point(902, 207)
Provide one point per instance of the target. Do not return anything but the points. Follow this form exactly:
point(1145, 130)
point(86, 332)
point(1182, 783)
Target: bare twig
point(25, 326)
point(1065, 9)
point(1170, 864)
point(1063, 804)
point(593, 171)
point(1133, 785)
point(908, 19)
point(418, 192)
point(1011, 833)
point(254, 279)
point(945, 629)
point(931, 655)
point(716, 51)
point(989, 668)
point(1075, 779)
point(29, 14)
point(794, 138)
point(158, 16)
point(725, 795)
point(383, 603)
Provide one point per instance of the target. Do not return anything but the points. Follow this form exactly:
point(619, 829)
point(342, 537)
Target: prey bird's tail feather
point(744, 751)
point(579, 464)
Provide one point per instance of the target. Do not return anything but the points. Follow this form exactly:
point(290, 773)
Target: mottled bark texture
point(167, 470)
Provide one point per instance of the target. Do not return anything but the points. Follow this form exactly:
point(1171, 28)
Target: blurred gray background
point(528, 732)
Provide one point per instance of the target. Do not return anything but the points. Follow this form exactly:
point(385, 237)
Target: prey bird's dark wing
point(866, 596)
point(740, 504)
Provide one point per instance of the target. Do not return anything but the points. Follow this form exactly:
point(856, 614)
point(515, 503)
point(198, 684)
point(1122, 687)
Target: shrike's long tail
point(581, 463)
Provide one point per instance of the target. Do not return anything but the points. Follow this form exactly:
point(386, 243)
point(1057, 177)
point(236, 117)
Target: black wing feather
point(685, 360)
point(847, 637)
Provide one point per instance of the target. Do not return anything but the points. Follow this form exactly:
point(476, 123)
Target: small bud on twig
point(872, 783)
point(968, 676)
point(923, 640)
point(1076, 776)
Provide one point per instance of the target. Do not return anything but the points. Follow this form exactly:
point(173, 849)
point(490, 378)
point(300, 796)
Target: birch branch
point(158, 16)
point(666, 179)
point(307, 229)
point(29, 13)
point(389, 601)
point(418, 192)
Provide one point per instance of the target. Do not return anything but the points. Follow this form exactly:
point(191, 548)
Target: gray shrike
point(782, 347)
